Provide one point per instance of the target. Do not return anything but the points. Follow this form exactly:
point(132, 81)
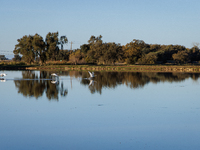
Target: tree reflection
point(133, 79)
point(37, 87)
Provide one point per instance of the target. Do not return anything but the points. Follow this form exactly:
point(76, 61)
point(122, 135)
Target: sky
point(162, 22)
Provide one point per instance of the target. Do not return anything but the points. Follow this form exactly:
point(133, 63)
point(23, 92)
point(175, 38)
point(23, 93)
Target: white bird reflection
point(54, 82)
point(55, 79)
point(91, 79)
point(2, 80)
point(91, 82)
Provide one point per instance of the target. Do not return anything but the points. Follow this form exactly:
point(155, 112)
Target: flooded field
point(112, 110)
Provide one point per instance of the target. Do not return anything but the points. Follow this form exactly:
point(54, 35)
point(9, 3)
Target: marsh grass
point(64, 65)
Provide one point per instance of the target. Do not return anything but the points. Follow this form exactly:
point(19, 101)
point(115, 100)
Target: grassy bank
point(134, 68)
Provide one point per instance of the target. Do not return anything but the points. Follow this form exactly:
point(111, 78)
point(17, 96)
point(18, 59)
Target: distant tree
point(196, 44)
point(63, 55)
point(85, 48)
point(25, 48)
point(95, 50)
point(133, 50)
point(39, 48)
point(52, 49)
point(76, 57)
point(166, 51)
point(17, 58)
point(31, 48)
point(194, 53)
point(181, 57)
point(63, 40)
point(154, 47)
point(149, 58)
point(111, 52)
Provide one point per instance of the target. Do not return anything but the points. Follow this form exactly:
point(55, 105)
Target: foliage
point(133, 50)
point(17, 58)
point(181, 57)
point(63, 40)
point(77, 57)
point(52, 48)
point(35, 49)
point(149, 58)
point(25, 48)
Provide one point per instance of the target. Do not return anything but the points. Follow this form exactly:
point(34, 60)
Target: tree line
point(34, 48)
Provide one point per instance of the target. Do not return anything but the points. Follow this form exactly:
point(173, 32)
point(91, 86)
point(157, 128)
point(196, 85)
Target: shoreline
point(131, 68)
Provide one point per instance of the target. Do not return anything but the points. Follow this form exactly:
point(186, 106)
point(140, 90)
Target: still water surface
point(117, 110)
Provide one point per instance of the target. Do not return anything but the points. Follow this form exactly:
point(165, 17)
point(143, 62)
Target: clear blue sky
point(119, 21)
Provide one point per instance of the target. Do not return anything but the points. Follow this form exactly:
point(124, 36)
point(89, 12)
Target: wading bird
point(2, 74)
point(53, 74)
point(91, 74)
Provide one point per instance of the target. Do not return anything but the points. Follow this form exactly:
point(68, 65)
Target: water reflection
point(36, 87)
point(133, 79)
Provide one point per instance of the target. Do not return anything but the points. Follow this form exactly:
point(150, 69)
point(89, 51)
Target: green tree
point(31, 48)
point(95, 50)
point(181, 57)
point(52, 48)
point(149, 58)
point(77, 57)
point(63, 55)
point(111, 53)
point(133, 50)
point(39, 47)
point(17, 58)
point(25, 48)
point(85, 48)
point(194, 53)
point(63, 40)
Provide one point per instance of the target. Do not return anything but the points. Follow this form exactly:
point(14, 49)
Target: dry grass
point(64, 65)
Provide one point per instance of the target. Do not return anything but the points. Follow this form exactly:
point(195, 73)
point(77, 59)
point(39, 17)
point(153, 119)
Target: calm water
point(114, 111)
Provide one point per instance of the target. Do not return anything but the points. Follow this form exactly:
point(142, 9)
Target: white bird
point(91, 74)
point(2, 74)
point(53, 74)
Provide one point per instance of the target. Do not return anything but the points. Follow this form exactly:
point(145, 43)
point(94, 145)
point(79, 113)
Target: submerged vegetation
point(34, 49)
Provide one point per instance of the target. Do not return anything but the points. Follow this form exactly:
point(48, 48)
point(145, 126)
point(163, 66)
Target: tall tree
point(25, 48)
point(181, 57)
point(17, 57)
point(63, 40)
point(52, 43)
point(95, 50)
point(39, 47)
point(133, 50)
point(111, 53)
